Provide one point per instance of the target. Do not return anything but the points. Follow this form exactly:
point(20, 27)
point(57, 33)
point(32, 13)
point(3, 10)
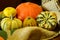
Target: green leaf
point(3, 34)
point(13, 31)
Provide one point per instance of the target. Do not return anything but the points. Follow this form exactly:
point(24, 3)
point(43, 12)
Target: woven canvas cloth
point(45, 1)
point(52, 5)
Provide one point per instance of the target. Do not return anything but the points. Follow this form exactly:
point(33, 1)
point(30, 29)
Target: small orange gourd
point(28, 9)
point(1, 38)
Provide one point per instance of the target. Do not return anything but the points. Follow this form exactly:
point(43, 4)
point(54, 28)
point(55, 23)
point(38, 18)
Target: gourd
point(9, 11)
point(1, 38)
point(28, 9)
point(29, 22)
point(10, 24)
point(2, 15)
point(47, 20)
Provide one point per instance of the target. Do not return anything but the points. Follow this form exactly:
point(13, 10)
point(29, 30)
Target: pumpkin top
point(28, 9)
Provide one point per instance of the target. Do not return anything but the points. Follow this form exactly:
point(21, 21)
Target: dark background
point(14, 3)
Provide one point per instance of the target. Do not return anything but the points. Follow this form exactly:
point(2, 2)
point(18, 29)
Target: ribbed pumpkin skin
point(8, 24)
point(47, 20)
point(1, 16)
point(28, 9)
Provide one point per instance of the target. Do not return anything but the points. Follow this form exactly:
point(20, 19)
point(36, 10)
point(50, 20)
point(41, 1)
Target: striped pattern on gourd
point(47, 20)
point(10, 24)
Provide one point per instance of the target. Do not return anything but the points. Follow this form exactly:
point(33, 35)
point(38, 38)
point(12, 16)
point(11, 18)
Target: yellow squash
point(9, 11)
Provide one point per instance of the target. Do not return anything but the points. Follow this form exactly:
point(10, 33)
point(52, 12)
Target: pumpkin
point(10, 24)
point(28, 9)
point(29, 22)
point(9, 11)
point(47, 20)
point(1, 38)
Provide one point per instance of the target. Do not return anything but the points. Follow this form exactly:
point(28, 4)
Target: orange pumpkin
point(28, 9)
point(1, 38)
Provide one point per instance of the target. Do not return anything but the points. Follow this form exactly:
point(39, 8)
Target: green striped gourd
point(10, 24)
point(47, 20)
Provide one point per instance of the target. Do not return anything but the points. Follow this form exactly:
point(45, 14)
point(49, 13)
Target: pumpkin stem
point(28, 17)
point(11, 17)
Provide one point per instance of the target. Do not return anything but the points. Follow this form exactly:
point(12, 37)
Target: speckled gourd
point(29, 21)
